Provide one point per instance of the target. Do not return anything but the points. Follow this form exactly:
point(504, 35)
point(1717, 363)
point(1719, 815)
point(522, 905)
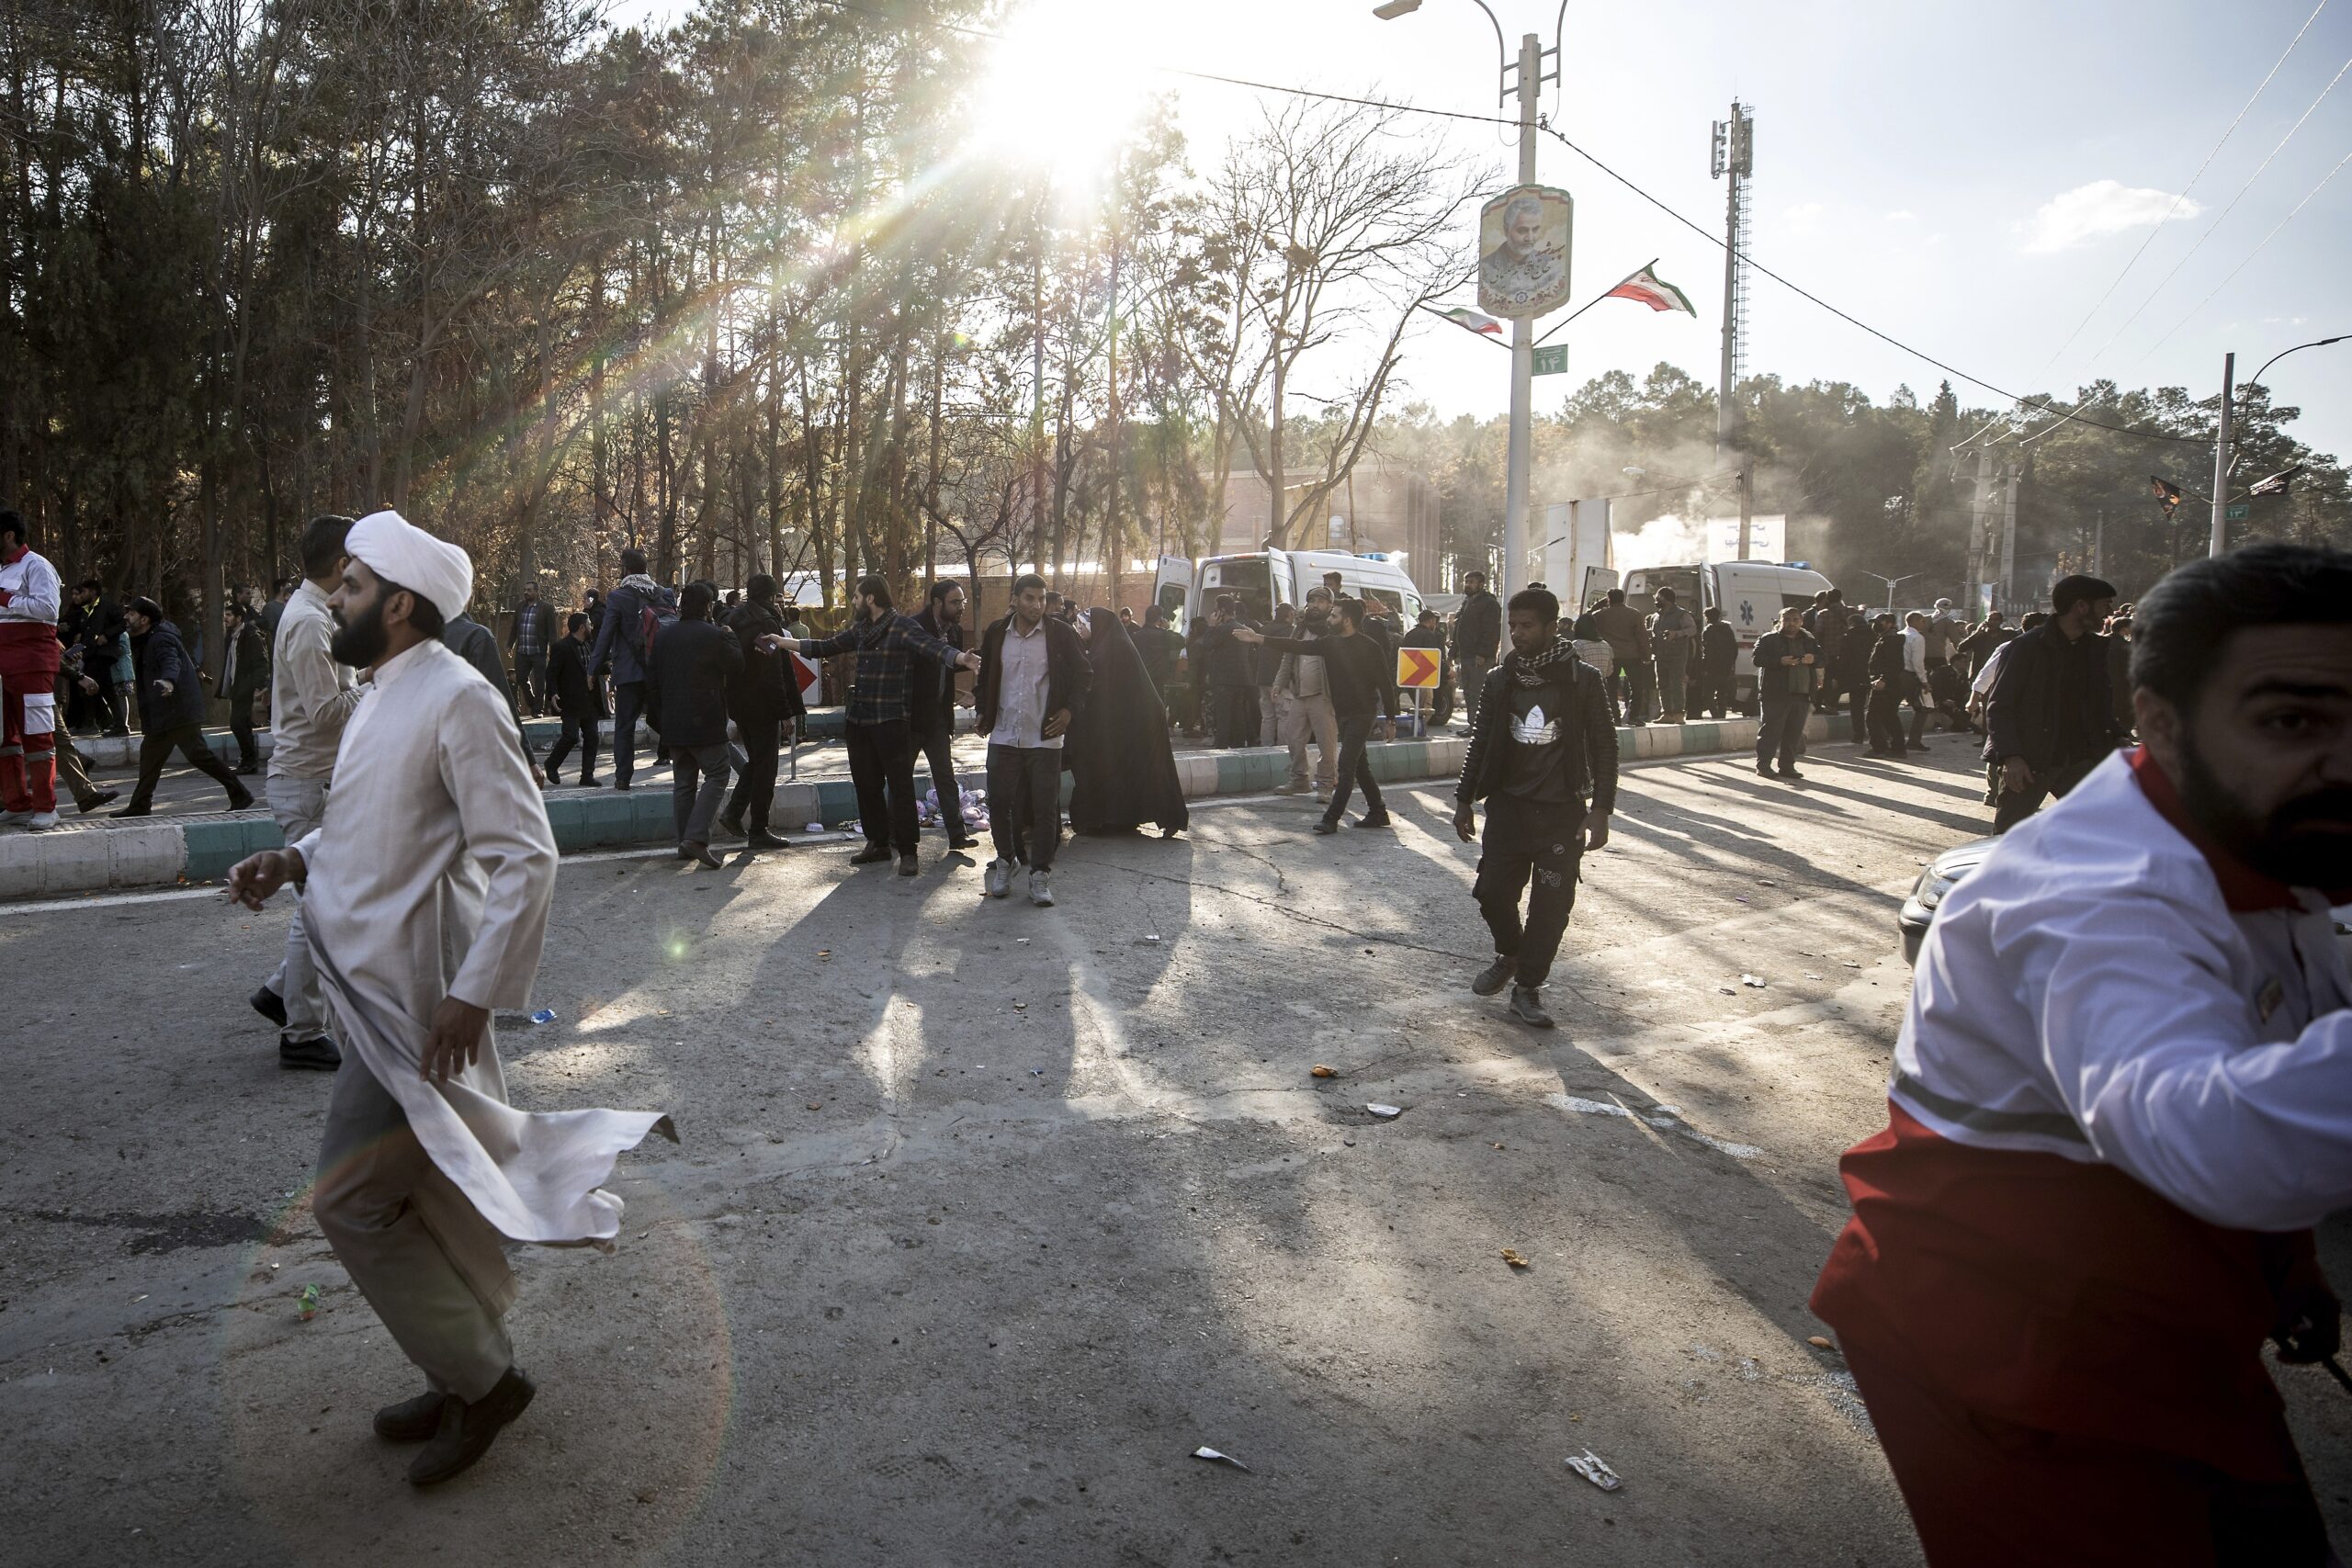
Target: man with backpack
point(633, 614)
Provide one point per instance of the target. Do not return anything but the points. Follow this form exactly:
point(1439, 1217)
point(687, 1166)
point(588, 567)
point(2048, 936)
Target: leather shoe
point(1528, 1007)
point(1325, 825)
point(1380, 821)
point(318, 1056)
point(908, 865)
point(702, 855)
point(411, 1420)
point(760, 839)
point(732, 824)
point(963, 841)
point(872, 854)
point(242, 801)
point(466, 1430)
point(1495, 975)
point(104, 798)
point(270, 1005)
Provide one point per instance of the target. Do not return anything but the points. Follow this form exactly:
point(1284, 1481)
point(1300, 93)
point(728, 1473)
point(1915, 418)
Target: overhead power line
point(2251, 255)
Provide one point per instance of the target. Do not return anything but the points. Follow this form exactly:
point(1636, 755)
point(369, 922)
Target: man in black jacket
point(1544, 757)
point(579, 700)
point(244, 674)
point(1888, 679)
point(1478, 637)
point(1034, 680)
point(100, 634)
point(764, 701)
point(1358, 667)
point(1159, 650)
point(1711, 693)
point(2049, 719)
point(171, 710)
point(1230, 675)
point(686, 683)
point(1788, 666)
point(930, 708)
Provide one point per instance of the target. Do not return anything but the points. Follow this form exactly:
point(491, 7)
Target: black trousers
point(581, 733)
point(882, 766)
point(2013, 806)
point(1355, 772)
point(1857, 696)
point(1710, 690)
point(1025, 804)
point(755, 785)
point(156, 745)
point(530, 681)
point(1236, 716)
point(1885, 717)
point(1524, 843)
point(628, 703)
point(241, 724)
point(1781, 738)
point(938, 746)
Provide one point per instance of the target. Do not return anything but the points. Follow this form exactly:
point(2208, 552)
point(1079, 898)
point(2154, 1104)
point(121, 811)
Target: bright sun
point(1062, 88)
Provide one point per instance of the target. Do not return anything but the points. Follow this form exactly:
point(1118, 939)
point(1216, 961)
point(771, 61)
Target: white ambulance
point(1264, 579)
point(1751, 593)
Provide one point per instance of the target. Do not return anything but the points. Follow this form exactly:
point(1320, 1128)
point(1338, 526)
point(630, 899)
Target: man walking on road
point(31, 596)
point(765, 702)
point(171, 708)
point(427, 890)
point(1033, 679)
point(930, 709)
point(695, 661)
point(1305, 689)
point(1544, 757)
point(1786, 667)
point(1718, 666)
point(1358, 667)
point(102, 640)
point(1478, 637)
point(2121, 1098)
point(881, 742)
point(623, 646)
point(1619, 625)
point(577, 701)
point(532, 640)
point(244, 676)
point(2049, 719)
point(1674, 633)
point(312, 695)
point(1888, 679)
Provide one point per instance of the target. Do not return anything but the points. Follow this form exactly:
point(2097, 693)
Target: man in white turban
point(425, 892)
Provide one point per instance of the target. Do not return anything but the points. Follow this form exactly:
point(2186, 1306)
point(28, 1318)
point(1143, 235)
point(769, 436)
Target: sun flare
point(1063, 86)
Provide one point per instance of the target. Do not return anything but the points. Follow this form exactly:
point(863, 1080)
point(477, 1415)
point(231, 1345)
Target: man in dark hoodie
point(764, 701)
point(171, 708)
point(693, 664)
point(621, 643)
point(930, 708)
point(1478, 635)
point(1544, 757)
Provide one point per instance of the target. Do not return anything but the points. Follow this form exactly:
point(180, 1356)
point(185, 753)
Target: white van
point(1752, 594)
point(1266, 577)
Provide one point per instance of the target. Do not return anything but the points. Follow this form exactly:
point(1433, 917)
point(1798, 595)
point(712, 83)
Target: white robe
point(431, 876)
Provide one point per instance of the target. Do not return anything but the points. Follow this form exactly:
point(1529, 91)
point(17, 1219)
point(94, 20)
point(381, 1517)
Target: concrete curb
point(91, 859)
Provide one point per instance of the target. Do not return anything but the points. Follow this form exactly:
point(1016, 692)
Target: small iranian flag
point(1471, 321)
point(1651, 290)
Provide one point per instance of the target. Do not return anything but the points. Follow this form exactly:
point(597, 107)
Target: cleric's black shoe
point(1528, 1007)
point(315, 1055)
point(961, 842)
point(872, 854)
point(411, 1420)
point(270, 1005)
point(1495, 975)
point(760, 839)
point(466, 1430)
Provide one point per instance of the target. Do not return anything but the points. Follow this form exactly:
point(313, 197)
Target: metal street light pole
point(1530, 88)
point(2222, 437)
point(1891, 584)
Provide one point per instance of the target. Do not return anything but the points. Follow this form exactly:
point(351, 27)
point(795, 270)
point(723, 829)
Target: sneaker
point(1322, 798)
point(997, 881)
point(14, 818)
point(1290, 789)
point(1528, 1007)
point(908, 865)
point(1041, 889)
point(41, 822)
point(1495, 975)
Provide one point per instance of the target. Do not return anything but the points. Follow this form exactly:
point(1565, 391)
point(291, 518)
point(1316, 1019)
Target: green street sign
point(2237, 512)
point(1552, 361)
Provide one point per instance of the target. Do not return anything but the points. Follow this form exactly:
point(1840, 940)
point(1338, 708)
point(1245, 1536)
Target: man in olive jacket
point(1544, 757)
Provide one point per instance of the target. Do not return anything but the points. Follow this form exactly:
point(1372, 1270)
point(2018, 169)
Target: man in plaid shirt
point(532, 639)
point(881, 743)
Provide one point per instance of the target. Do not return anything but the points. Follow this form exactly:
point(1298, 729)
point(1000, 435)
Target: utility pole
point(2009, 475)
point(1522, 345)
point(2099, 543)
point(1734, 158)
point(2222, 455)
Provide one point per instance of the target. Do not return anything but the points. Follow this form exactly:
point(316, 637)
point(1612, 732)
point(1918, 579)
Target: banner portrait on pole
point(1523, 241)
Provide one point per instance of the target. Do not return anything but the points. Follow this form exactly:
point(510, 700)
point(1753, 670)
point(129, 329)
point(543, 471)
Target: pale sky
point(1969, 179)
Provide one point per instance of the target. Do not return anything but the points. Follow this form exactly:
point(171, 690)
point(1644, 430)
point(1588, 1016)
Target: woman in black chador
point(1123, 773)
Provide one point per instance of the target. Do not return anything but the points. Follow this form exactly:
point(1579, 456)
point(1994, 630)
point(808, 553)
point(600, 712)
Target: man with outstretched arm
point(426, 889)
point(1359, 668)
point(2122, 1096)
point(1544, 757)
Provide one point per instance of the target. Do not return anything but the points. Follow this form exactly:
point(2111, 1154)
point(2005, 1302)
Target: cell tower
point(1734, 158)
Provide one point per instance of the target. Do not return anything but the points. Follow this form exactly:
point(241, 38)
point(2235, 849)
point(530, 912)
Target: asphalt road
point(987, 1217)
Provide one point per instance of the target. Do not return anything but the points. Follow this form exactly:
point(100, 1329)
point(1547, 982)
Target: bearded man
point(2122, 1096)
point(425, 892)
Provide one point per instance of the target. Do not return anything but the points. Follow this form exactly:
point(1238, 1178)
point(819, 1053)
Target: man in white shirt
point(1915, 675)
point(2122, 1095)
point(1034, 677)
point(310, 698)
point(30, 656)
point(429, 883)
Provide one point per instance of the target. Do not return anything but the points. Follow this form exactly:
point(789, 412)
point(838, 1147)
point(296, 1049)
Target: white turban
point(397, 549)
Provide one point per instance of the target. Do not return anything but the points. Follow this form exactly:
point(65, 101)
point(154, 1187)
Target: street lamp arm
point(1396, 8)
point(2315, 342)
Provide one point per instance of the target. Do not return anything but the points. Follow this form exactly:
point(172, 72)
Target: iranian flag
point(1651, 290)
point(1473, 322)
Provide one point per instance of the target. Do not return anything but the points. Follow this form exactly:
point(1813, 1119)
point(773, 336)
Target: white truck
point(1751, 593)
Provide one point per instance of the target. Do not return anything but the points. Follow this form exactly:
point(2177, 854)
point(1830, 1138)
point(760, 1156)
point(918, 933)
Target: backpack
point(661, 611)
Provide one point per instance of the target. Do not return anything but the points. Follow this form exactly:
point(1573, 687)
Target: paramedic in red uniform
point(2121, 1098)
point(29, 656)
